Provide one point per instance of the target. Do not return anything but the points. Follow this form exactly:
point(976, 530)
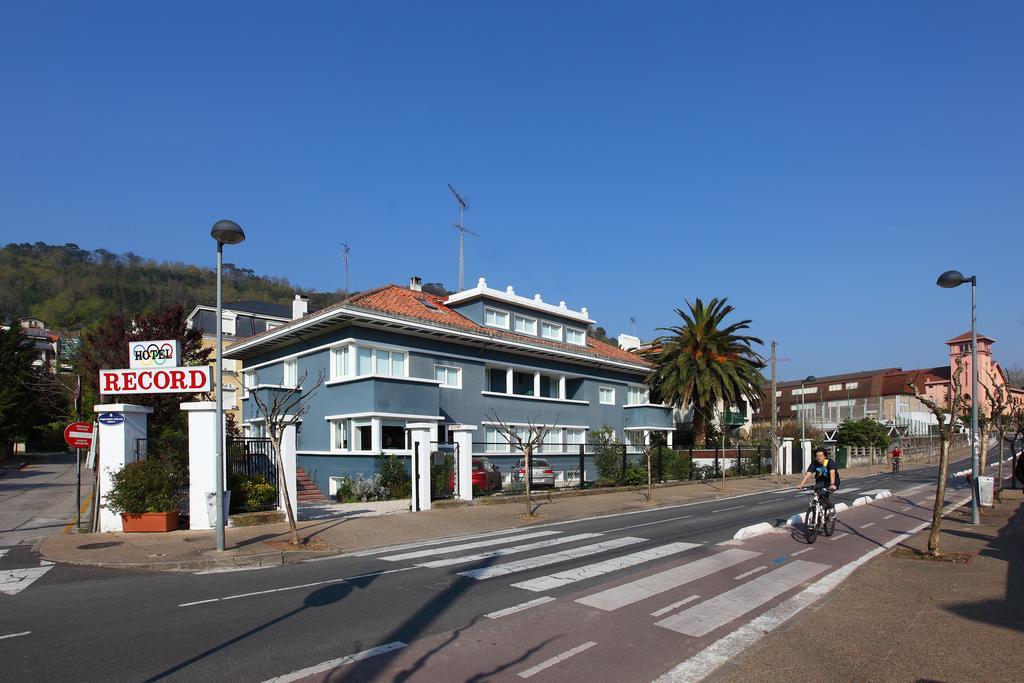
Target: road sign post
point(78, 435)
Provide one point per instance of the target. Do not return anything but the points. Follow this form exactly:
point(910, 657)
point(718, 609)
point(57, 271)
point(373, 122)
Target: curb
point(272, 559)
point(753, 530)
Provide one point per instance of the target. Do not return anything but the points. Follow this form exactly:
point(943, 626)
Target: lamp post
point(225, 232)
point(803, 412)
point(948, 280)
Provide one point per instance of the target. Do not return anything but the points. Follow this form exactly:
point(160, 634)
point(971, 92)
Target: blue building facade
point(394, 356)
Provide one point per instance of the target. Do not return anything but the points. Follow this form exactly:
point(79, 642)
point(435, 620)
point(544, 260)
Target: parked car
point(543, 475)
point(486, 476)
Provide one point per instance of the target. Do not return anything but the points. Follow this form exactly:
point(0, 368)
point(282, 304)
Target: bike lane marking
point(557, 659)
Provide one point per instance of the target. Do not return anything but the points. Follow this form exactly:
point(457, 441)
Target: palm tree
point(704, 362)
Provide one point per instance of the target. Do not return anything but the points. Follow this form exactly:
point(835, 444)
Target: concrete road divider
point(841, 507)
point(753, 530)
point(795, 520)
point(863, 500)
point(884, 493)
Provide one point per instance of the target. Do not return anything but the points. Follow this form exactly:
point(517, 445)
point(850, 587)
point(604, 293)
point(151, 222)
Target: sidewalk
point(903, 619)
point(260, 545)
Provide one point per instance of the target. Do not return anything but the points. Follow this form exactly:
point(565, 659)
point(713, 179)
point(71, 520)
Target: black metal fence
point(252, 474)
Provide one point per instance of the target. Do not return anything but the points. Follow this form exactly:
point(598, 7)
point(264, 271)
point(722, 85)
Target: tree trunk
point(999, 485)
point(700, 429)
point(282, 483)
point(649, 474)
point(982, 450)
point(528, 459)
point(940, 497)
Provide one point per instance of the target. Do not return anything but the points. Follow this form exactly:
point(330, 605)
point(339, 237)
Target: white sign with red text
point(190, 380)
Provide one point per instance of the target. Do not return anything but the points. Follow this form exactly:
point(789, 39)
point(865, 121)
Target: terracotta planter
point(149, 522)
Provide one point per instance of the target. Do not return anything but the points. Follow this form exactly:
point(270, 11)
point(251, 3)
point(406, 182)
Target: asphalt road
point(254, 625)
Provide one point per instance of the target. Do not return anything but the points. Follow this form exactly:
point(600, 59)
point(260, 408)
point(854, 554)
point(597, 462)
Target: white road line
point(723, 608)
point(906, 508)
point(228, 570)
point(552, 558)
point(628, 593)
point(502, 552)
point(465, 546)
point(865, 526)
point(702, 664)
point(755, 570)
point(674, 605)
point(634, 526)
point(801, 552)
point(335, 663)
point(839, 535)
point(519, 608)
point(848, 490)
point(3, 551)
point(557, 659)
point(765, 502)
point(13, 581)
point(736, 507)
point(889, 516)
point(297, 587)
point(15, 635)
point(435, 541)
point(552, 581)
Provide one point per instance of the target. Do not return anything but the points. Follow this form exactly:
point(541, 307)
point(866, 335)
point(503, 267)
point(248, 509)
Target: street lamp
point(803, 412)
point(225, 232)
point(949, 280)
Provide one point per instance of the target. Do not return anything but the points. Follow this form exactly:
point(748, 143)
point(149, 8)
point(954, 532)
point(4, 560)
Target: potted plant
point(143, 492)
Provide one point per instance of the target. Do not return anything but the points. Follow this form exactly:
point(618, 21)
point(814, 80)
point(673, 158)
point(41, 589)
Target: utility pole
point(344, 258)
point(775, 422)
point(463, 205)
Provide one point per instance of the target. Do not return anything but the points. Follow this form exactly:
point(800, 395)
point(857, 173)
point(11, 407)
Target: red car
point(486, 476)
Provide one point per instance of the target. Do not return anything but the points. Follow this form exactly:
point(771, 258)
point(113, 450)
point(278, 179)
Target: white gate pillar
point(463, 435)
point(118, 438)
point(289, 461)
point(421, 434)
point(786, 453)
point(202, 461)
point(805, 452)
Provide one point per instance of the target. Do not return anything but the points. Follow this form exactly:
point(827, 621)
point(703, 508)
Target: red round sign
point(78, 434)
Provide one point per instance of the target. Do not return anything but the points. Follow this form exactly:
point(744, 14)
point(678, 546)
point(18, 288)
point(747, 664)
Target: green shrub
point(636, 473)
point(344, 492)
point(680, 467)
point(441, 476)
point(607, 454)
point(145, 486)
point(393, 477)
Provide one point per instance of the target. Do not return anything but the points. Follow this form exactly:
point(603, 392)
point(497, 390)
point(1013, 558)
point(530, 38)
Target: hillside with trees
point(70, 288)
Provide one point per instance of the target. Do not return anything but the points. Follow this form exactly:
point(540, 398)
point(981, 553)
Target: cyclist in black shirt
point(824, 470)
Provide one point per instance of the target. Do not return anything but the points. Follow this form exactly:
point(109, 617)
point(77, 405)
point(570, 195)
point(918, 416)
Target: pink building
point(990, 375)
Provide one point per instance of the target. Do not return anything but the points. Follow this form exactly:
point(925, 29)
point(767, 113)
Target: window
point(341, 362)
point(290, 374)
point(393, 436)
point(525, 325)
point(450, 377)
point(495, 441)
point(380, 362)
point(835, 387)
point(634, 441)
point(778, 394)
point(364, 361)
point(362, 436)
point(497, 380)
point(522, 383)
point(228, 322)
point(805, 390)
point(576, 336)
point(258, 430)
point(636, 396)
point(552, 441)
point(574, 437)
point(851, 385)
point(607, 396)
point(551, 331)
point(340, 438)
point(496, 318)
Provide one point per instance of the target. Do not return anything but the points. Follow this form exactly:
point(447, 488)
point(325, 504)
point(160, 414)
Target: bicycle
point(817, 518)
point(896, 465)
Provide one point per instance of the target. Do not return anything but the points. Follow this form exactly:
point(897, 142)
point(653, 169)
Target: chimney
point(628, 342)
point(300, 304)
point(416, 284)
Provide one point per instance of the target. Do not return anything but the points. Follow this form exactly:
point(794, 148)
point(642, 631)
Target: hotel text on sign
point(189, 380)
point(162, 353)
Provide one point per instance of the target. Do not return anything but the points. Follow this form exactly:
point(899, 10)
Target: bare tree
point(997, 405)
point(526, 440)
point(284, 408)
point(947, 429)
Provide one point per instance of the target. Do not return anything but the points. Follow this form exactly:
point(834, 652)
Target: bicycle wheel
point(830, 524)
point(811, 525)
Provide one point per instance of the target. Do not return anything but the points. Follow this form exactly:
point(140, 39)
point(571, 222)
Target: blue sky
point(817, 163)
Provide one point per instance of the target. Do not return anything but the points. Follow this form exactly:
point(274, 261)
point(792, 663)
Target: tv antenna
point(344, 258)
point(463, 205)
point(632, 320)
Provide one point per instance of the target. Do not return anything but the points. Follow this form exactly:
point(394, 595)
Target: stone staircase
point(307, 490)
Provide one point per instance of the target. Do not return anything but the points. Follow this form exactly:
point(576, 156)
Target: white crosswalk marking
point(436, 541)
point(551, 558)
point(14, 581)
point(649, 586)
point(674, 605)
point(547, 664)
point(704, 618)
point(564, 578)
point(502, 552)
point(465, 546)
point(519, 608)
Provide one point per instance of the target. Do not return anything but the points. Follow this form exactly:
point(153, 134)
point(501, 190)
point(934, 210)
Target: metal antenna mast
point(463, 205)
point(344, 257)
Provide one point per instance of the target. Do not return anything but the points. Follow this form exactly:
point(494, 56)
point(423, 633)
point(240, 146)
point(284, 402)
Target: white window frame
point(290, 373)
point(533, 324)
point(343, 425)
point(575, 436)
point(445, 384)
point(498, 312)
point(835, 387)
point(352, 435)
point(601, 393)
point(342, 359)
point(851, 385)
point(553, 438)
point(645, 395)
point(545, 324)
point(500, 442)
point(582, 333)
point(248, 382)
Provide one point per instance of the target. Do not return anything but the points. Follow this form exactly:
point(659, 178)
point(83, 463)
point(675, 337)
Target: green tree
point(705, 363)
point(863, 433)
point(20, 412)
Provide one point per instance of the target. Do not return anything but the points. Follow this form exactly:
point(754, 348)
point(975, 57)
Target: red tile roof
point(966, 336)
